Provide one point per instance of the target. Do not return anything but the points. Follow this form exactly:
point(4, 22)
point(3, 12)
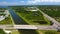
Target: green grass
point(15, 32)
point(48, 32)
point(2, 32)
point(6, 21)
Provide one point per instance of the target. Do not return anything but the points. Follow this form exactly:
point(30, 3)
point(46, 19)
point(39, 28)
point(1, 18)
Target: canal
point(19, 21)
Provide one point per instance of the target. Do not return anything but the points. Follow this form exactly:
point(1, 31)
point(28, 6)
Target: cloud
point(22, 2)
point(39, 1)
point(29, 2)
point(36, 2)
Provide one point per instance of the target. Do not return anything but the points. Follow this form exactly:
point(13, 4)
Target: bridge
point(38, 27)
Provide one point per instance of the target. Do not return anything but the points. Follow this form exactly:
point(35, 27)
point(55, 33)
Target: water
point(17, 19)
point(28, 31)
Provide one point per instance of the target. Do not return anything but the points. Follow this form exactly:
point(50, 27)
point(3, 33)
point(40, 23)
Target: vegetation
point(31, 16)
point(51, 32)
point(28, 31)
point(37, 17)
point(53, 11)
point(6, 21)
point(48, 32)
point(2, 32)
point(15, 32)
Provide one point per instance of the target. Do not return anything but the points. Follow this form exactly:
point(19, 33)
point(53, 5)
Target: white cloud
point(47, 0)
point(27, 2)
point(40, 1)
point(31, 2)
point(37, 1)
point(22, 3)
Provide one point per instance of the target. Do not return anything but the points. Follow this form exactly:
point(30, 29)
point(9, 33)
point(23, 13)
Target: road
point(38, 27)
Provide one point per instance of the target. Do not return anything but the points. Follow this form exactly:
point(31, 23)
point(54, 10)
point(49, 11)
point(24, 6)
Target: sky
point(29, 2)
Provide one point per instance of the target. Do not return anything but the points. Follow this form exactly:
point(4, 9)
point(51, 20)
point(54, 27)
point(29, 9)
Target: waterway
point(18, 20)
